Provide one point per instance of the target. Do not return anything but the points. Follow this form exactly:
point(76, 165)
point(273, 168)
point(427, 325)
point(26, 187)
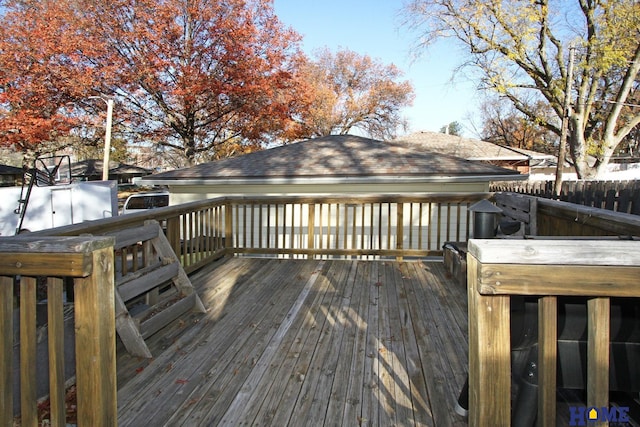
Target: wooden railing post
point(489, 354)
point(599, 320)
point(91, 261)
point(498, 269)
point(173, 233)
point(95, 342)
point(228, 228)
point(311, 228)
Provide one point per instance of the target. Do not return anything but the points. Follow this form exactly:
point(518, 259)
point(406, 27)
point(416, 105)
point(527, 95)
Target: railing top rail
point(588, 215)
point(50, 256)
point(556, 252)
point(557, 267)
point(366, 198)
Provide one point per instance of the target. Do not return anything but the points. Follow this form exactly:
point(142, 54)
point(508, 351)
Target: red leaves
point(192, 79)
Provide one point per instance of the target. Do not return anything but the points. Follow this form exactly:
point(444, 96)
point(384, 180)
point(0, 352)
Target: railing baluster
point(55, 323)
point(28, 394)
point(439, 240)
point(6, 350)
point(420, 227)
point(429, 227)
point(399, 228)
point(547, 359)
point(260, 225)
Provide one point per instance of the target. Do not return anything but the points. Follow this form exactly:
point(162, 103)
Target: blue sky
point(373, 27)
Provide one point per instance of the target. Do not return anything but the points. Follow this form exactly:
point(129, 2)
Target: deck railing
point(198, 233)
point(403, 226)
point(43, 262)
point(400, 226)
point(500, 269)
point(390, 225)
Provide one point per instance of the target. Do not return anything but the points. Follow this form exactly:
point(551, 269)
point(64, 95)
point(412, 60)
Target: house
point(10, 176)
point(91, 170)
point(476, 150)
point(336, 164)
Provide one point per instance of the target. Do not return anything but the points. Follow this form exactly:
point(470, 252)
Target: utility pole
point(107, 136)
point(107, 141)
point(564, 133)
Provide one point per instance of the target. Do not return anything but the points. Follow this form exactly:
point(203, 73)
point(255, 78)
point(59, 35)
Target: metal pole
point(562, 151)
point(107, 141)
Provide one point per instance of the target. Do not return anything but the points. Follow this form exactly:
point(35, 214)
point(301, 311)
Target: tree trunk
point(579, 148)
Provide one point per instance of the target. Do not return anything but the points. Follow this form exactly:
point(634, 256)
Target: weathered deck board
point(329, 342)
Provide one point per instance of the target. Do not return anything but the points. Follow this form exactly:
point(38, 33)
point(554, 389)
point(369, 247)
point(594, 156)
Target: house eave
point(334, 180)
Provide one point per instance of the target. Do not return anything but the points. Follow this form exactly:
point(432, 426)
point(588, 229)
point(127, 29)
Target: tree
point(503, 124)
point(520, 50)
point(41, 74)
point(351, 91)
point(189, 75)
point(453, 128)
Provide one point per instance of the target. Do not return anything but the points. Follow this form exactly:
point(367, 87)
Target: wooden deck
point(306, 342)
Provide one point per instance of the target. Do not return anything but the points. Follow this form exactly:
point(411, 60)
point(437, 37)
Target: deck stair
point(152, 288)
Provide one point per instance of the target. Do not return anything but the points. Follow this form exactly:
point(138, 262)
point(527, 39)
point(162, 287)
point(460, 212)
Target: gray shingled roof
point(333, 156)
point(468, 148)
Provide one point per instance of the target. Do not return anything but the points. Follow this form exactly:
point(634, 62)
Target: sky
point(374, 28)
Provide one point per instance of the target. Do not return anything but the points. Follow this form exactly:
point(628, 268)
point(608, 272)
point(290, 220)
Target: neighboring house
point(338, 164)
point(524, 161)
point(10, 176)
point(91, 170)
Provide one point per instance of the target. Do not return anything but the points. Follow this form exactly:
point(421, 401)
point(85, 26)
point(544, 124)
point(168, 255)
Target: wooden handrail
point(89, 261)
point(498, 269)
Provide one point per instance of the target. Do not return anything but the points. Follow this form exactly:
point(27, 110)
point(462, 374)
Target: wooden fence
point(618, 196)
point(499, 269)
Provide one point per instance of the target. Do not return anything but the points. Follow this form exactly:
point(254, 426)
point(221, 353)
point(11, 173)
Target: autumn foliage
point(42, 71)
point(352, 91)
point(193, 76)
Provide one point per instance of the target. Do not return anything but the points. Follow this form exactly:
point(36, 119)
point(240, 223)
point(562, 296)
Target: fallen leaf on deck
point(181, 381)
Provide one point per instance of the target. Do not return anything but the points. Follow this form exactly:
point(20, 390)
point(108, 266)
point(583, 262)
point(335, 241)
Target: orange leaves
point(189, 75)
point(349, 90)
point(42, 71)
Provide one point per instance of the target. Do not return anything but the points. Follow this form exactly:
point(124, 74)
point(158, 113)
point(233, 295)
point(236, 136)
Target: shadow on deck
point(315, 342)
